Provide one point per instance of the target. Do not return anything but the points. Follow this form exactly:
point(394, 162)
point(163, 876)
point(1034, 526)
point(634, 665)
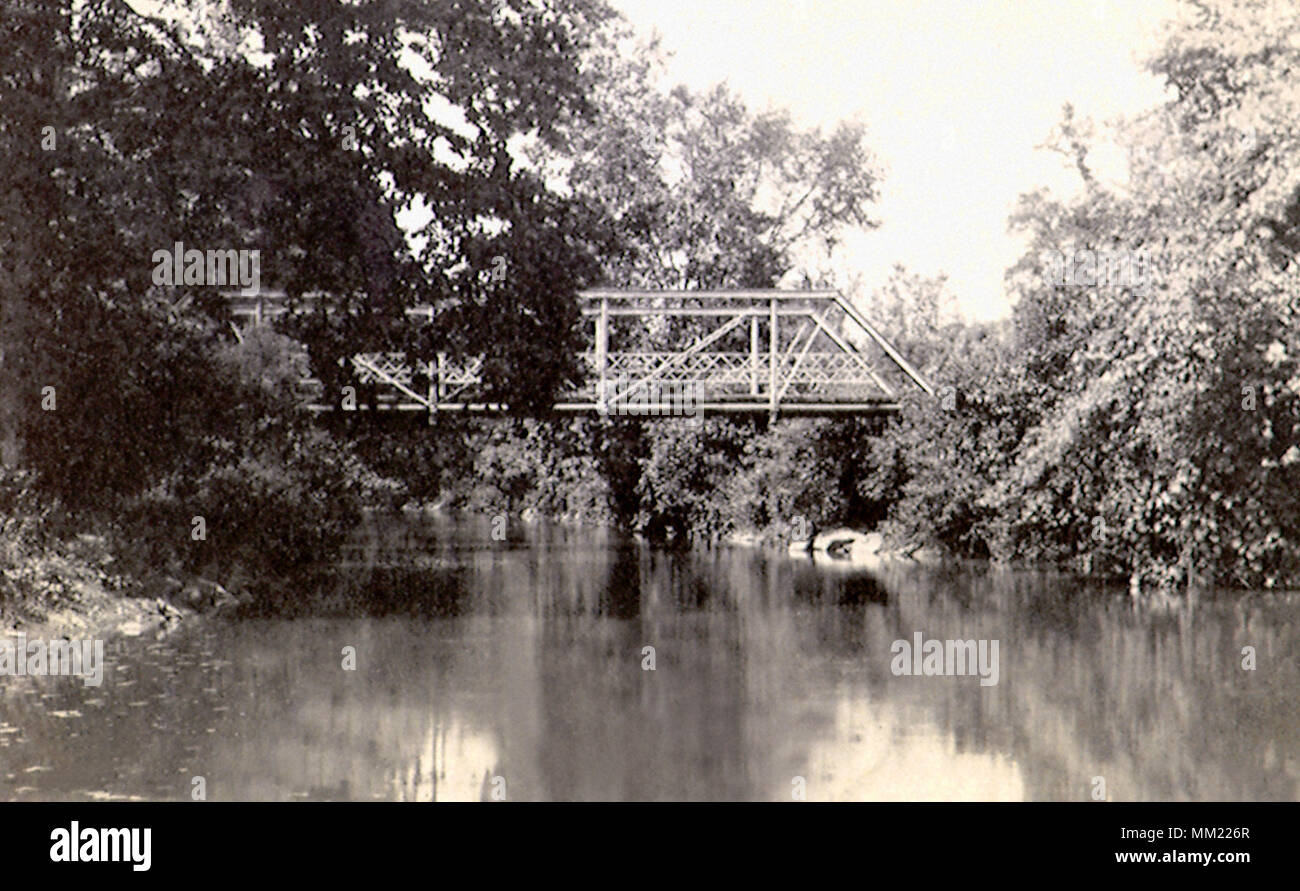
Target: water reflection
point(522, 660)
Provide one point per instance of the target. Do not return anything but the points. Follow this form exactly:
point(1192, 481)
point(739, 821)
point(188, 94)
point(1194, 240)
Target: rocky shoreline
point(844, 545)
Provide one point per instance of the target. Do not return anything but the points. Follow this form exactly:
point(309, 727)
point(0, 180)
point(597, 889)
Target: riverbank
point(75, 588)
point(71, 591)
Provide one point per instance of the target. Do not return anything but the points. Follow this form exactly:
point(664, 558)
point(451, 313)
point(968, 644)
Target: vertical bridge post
point(772, 354)
point(602, 351)
point(436, 372)
point(433, 393)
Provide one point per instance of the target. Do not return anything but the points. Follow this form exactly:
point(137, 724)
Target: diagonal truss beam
point(693, 349)
point(852, 312)
point(362, 362)
point(857, 356)
point(798, 363)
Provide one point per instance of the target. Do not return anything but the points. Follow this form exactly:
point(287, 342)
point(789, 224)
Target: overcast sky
point(956, 95)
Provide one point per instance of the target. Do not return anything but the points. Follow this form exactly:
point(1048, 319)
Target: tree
point(696, 190)
point(1170, 411)
point(299, 132)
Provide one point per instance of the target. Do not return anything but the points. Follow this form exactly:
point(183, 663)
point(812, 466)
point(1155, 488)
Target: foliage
point(1147, 432)
point(301, 132)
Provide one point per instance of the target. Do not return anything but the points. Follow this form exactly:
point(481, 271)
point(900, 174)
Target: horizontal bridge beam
point(821, 294)
point(638, 311)
point(638, 410)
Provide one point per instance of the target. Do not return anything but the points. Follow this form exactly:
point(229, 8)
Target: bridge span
point(727, 351)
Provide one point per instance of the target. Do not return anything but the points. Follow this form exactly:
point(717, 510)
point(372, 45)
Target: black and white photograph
point(863, 403)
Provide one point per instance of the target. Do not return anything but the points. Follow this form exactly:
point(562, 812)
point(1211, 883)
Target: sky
point(956, 95)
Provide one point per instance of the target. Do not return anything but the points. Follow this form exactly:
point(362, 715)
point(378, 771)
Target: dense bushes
point(667, 478)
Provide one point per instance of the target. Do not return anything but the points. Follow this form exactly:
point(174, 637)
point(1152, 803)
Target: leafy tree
point(301, 132)
point(1170, 411)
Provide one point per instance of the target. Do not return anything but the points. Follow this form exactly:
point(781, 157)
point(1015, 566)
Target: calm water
point(522, 660)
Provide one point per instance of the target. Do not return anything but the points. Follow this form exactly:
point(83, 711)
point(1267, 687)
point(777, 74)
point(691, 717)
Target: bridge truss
point(653, 352)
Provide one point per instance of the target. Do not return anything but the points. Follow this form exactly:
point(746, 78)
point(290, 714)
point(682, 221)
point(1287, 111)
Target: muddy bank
point(74, 589)
point(94, 612)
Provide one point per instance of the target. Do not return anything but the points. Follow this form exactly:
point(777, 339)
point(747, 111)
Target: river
point(518, 670)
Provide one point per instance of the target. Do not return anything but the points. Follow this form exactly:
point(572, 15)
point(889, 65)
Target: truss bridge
point(658, 353)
